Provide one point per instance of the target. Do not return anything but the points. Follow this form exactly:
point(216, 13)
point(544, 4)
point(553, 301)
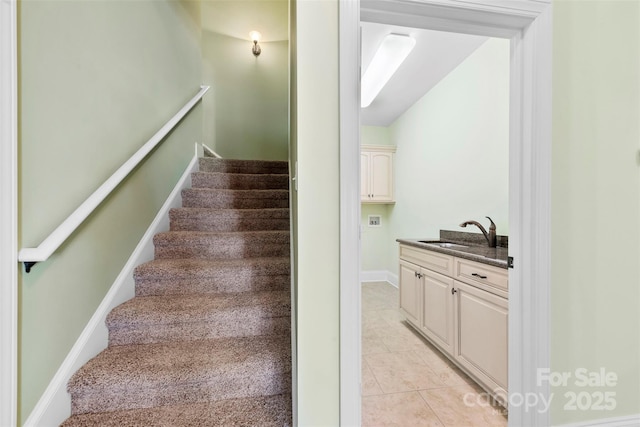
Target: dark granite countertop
point(470, 250)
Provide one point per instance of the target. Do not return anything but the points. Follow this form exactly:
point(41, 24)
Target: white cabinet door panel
point(481, 325)
point(437, 311)
point(410, 292)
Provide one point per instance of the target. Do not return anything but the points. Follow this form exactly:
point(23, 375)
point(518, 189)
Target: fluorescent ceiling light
point(393, 50)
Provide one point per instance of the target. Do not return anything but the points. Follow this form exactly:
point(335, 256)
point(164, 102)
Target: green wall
point(246, 116)
point(317, 233)
point(374, 241)
point(97, 79)
point(595, 294)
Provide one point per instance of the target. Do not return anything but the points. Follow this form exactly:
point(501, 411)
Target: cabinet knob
point(453, 291)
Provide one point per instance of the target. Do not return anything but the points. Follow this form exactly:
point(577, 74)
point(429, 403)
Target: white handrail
point(32, 255)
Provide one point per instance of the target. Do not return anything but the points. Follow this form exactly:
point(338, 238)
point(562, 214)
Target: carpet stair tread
point(151, 319)
point(208, 244)
point(234, 199)
point(205, 276)
point(264, 411)
point(206, 219)
point(243, 166)
point(136, 376)
point(240, 181)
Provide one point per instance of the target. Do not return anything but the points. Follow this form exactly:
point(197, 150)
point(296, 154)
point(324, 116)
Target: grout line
point(432, 410)
point(375, 379)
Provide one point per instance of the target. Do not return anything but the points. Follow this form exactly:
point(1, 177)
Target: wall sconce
point(255, 38)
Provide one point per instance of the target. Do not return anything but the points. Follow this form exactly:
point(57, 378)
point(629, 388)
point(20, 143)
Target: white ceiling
point(435, 55)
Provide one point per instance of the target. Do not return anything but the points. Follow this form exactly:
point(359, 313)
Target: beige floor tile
point(392, 316)
point(400, 409)
point(369, 333)
point(421, 367)
point(448, 373)
point(378, 303)
point(399, 328)
point(373, 345)
point(401, 371)
point(398, 341)
point(433, 357)
point(370, 386)
point(464, 406)
point(374, 322)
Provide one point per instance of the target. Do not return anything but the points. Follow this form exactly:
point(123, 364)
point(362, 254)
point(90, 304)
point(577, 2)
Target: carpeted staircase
point(206, 339)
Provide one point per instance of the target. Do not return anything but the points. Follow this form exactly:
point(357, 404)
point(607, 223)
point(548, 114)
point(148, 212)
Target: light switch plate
point(375, 221)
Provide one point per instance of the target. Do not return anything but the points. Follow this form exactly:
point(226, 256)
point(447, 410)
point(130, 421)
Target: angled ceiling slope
point(435, 55)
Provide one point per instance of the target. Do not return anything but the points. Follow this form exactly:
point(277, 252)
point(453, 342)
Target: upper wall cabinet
point(376, 173)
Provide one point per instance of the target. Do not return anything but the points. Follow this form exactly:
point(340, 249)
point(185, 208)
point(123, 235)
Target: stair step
point(221, 245)
point(240, 181)
point(234, 199)
point(243, 166)
point(204, 219)
point(144, 320)
point(143, 376)
point(200, 276)
point(264, 411)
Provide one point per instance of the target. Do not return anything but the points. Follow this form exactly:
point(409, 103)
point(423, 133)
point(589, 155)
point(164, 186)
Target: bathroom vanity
point(455, 294)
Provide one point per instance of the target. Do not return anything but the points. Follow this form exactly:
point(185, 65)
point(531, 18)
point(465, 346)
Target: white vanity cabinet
point(376, 173)
point(461, 306)
point(481, 320)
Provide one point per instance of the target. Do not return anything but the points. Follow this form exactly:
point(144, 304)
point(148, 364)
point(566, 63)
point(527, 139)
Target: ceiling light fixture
point(393, 50)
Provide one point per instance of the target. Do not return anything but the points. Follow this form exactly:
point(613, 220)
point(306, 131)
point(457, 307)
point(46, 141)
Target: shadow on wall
point(246, 115)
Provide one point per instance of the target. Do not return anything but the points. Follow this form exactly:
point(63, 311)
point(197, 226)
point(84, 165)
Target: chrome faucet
point(491, 236)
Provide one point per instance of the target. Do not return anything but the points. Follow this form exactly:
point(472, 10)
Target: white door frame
point(527, 23)
point(8, 213)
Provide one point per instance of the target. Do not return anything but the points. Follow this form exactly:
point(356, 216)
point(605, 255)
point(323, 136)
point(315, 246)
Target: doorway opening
point(528, 30)
point(444, 115)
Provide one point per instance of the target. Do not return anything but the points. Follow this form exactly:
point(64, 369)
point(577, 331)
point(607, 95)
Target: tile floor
point(405, 380)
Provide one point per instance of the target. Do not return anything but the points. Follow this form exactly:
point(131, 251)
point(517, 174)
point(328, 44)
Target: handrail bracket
point(28, 265)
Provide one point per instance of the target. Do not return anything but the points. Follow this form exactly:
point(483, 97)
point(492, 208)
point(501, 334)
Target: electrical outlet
point(375, 221)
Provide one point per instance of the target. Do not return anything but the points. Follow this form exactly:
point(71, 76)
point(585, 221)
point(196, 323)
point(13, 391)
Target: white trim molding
point(54, 405)
point(627, 421)
point(209, 152)
point(379, 276)
point(527, 23)
point(350, 288)
point(8, 213)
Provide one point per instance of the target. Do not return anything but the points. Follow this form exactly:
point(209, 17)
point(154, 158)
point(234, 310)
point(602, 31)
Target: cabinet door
point(381, 176)
point(410, 292)
point(437, 309)
point(365, 174)
point(481, 326)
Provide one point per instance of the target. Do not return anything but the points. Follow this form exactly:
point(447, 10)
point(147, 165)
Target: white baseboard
point(208, 152)
point(627, 421)
point(379, 276)
point(55, 404)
